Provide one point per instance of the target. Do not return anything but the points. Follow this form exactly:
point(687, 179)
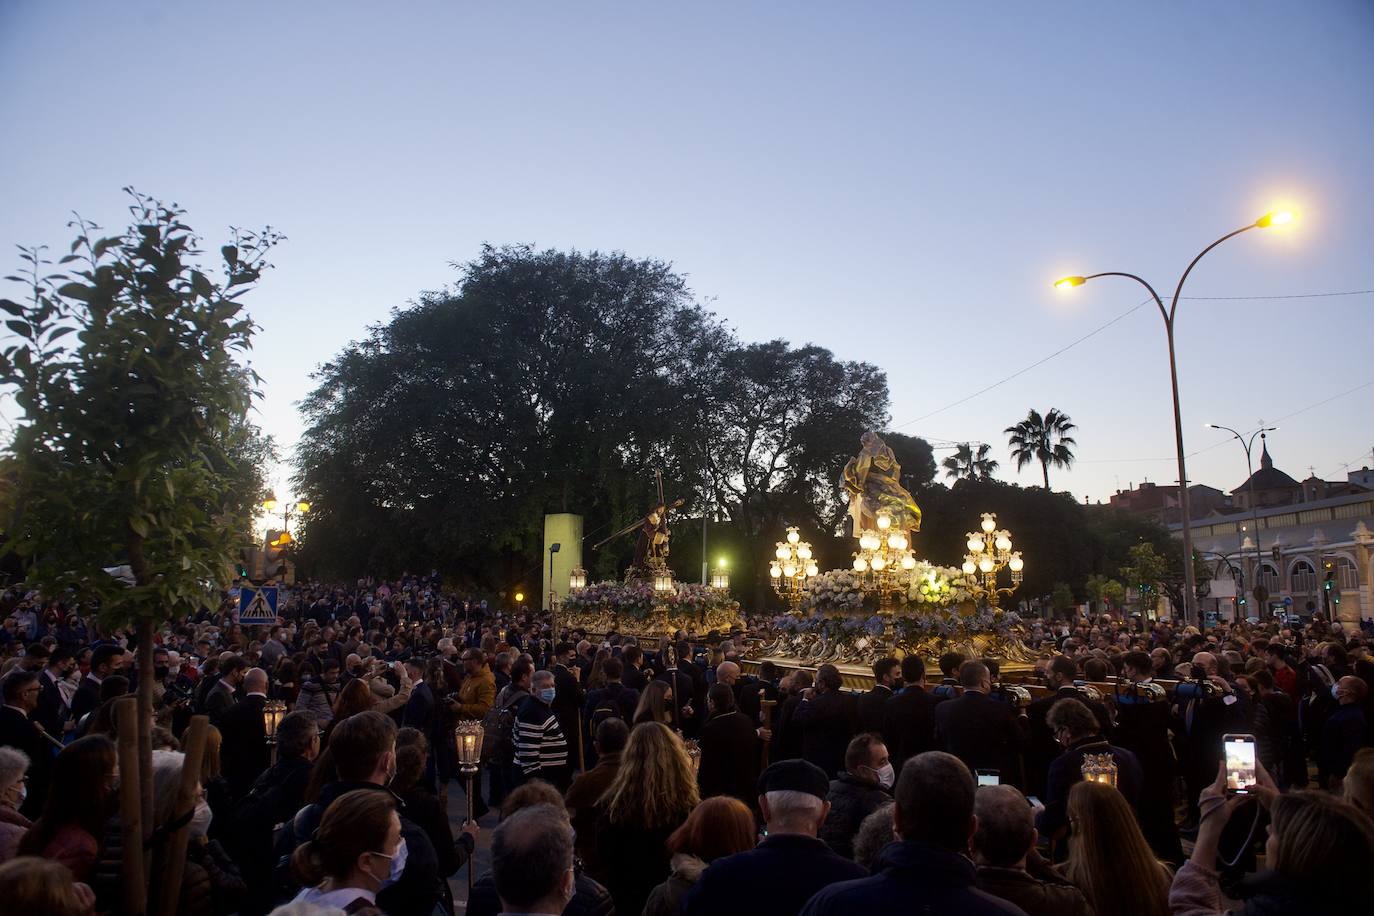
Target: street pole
point(1190, 611)
point(1249, 445)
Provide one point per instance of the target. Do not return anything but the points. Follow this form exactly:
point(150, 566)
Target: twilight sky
point(899, 182)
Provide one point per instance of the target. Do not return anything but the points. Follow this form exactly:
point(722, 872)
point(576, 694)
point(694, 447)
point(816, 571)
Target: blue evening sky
point(899, 182)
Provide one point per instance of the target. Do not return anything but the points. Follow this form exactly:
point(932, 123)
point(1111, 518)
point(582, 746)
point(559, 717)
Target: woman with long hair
point(655, 703)
point(1109, 860)
point(1319, 856)
point(651, 796)
point(352, 854)
point(596, 678)
point(81, 798)
point(718, 827)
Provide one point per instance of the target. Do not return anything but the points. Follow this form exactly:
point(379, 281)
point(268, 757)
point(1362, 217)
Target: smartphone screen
point(989, 777)
point(1240, 763)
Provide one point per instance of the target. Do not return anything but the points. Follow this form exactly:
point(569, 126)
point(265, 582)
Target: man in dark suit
point(569, 700)
point(909, 717)
point(245, 753)
point(828, 721)
point(1042, 747)
point(873, 705)
point(20, 689)
point(615, 699)
point(105, 661)
point(1142, 727)
point(224, 694)
point(984, 733)
point(419, 709)
point(52, 712)
point(729, 749)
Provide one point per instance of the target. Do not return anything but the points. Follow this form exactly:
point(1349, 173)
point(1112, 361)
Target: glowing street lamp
point(1268, 220)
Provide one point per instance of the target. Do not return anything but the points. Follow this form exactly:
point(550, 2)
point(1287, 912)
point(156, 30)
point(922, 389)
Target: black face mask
point(160, 672)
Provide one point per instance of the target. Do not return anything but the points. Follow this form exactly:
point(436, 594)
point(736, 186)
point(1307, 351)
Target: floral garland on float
point(637, 607)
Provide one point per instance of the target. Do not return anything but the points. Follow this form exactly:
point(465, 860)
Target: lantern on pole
point(467, 740)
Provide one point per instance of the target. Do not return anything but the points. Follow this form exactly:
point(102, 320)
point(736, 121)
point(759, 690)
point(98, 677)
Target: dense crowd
point(662, 778)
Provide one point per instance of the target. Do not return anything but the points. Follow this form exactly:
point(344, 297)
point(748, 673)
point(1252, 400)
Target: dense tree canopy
point(547, 381)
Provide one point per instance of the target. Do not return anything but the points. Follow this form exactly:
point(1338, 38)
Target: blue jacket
point(913, 878)
point(776, 878)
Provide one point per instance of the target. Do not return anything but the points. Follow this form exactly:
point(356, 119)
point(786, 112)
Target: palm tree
point(1045, 439)
point(965, 463)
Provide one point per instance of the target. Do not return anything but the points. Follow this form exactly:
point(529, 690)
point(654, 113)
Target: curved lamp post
point(1254, 507)
point(1276, 218)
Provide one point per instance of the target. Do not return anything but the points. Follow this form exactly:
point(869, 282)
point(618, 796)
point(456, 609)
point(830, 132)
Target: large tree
point(1044, 439)
point(134, 446)
point(544, 381)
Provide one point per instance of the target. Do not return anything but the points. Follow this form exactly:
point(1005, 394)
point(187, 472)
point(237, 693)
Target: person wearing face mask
point(363, 747)
point(729, 748)
point(14, 764)
point(357, 851)
point(210, 881)
point(541, 750)
point(863, 787)
point(1343, 733)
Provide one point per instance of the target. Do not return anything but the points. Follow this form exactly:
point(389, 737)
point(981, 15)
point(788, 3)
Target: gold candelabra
point(885, 560)
point(792, 566)
point(990, 551)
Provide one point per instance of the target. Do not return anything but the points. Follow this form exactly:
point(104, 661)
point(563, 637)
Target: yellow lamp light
point(804, 551)
point(467, 740)
point(775, 571)
point(985, 564)
point(1067, 283)
point(1003, 542)
point(302, 507)
point(812, 570)
point(1274, 218)
point(1016, 564)
point(908, 562)
point(273, 711)
point(884, 519)
point(789, 570)
point(270, 504)
point(519, 596)
point(793, 535)
point(969, 567)
point(782, 552)
point(989, 523)
point(860, 564)
point(878, 564)
point(975, 544)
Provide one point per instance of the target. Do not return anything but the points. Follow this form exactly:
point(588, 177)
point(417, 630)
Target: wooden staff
point(193, 747)
point(130, 807)
point(767, 706)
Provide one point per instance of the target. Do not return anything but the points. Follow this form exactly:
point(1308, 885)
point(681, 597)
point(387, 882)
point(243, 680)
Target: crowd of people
point(659, 777)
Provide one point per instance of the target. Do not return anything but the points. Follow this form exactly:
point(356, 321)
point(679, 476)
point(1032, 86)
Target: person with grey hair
point(541, 750)
point(874, 834)
point(777, 877)
point(1002, 847)
point(1074, 725)
point(14, 764)
point(532, 861)
point(928, 870)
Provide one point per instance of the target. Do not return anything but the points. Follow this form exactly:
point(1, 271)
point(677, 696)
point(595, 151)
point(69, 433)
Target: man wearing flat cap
point(778, 876)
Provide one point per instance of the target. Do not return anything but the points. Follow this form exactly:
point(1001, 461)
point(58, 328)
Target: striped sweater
point(539, 742)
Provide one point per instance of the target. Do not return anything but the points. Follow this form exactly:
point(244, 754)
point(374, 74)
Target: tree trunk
point(170, 877)
point(135, 890)
point(1045, 468)
point(145, 726)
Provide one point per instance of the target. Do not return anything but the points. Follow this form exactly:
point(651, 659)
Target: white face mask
point(886, 775)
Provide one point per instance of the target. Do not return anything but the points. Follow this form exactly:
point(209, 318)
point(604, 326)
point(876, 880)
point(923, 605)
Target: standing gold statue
point(873, 481)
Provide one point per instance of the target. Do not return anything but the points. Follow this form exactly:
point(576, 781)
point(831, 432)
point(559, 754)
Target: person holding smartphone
point(1319, 853)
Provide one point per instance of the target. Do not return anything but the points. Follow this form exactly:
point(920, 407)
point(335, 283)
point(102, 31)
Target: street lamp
point(1249, 444)
point(1273, 218)
point(273, 711)
point(467, 739)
